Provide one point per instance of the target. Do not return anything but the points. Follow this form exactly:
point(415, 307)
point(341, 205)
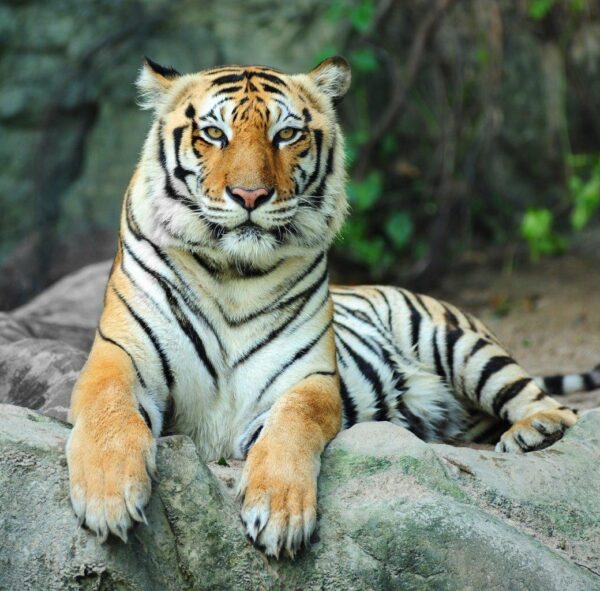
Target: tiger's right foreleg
point(480, 370)
point(111, 450)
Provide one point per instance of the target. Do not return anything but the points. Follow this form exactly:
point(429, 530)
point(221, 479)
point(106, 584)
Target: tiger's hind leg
point(480, 370)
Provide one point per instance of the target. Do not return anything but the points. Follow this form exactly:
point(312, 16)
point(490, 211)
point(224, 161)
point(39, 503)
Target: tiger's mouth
point(249, 229)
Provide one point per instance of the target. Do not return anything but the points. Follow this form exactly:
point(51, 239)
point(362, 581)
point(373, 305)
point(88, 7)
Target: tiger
point(219, 321)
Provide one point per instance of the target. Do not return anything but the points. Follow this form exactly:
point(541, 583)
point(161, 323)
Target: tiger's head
point(243, 162)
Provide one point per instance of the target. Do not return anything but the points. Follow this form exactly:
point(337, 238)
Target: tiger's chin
point(250, 244)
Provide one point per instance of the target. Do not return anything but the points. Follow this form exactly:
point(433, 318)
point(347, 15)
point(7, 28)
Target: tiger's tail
point(561, 384)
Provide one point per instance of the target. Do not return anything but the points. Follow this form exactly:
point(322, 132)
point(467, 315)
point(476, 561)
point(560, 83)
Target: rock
point(395, 513)
point(69, 310)
point(44, 344)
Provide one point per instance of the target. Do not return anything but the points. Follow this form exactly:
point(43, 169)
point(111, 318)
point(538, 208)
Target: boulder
point(44, 344)
point(395, 513)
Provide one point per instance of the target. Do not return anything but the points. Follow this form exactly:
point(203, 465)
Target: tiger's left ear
point(333, 77)
point(153, 83)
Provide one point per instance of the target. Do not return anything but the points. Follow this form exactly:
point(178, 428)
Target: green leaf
point(363, 60)
point(482, 55)
point(335, 11)
point(363, 194)
point(536, 228)
point(388, 144)
point(586, 196)
point(538, 9)
point(361, 15)
point(399, 229)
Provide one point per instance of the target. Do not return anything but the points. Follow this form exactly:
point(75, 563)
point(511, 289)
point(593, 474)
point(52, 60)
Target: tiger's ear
point(153, 83)
point(333, 77)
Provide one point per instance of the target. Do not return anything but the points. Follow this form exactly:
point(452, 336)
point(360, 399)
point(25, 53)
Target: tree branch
point(401, 87)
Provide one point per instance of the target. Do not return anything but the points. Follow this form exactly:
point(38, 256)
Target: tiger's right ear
point(153, 84)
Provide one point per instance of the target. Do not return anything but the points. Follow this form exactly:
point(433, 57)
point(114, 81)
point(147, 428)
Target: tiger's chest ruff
point(229, 350)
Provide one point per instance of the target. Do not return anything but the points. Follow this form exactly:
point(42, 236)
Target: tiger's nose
point(249, 198)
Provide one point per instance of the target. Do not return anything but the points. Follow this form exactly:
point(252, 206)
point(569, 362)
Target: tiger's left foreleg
point(279, 482)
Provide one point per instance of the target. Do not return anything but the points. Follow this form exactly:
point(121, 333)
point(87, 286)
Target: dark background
point(473, 126)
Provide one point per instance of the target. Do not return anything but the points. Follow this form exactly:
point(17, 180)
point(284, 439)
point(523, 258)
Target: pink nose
point(249, 198)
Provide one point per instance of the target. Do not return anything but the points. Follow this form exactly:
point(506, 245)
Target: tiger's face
point(245, 162)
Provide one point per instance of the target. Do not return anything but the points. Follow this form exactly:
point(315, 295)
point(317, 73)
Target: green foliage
point(537, 229)
point(363, 194)
point(395, 197)
point(363, 60)
point(399, 229)
point(539, 9)
point(584, 185)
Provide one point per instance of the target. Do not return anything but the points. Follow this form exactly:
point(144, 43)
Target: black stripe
point(363, 340)
point(228, 90)
point(113, 342)
point(415, 324)
point(252, 440)
point(493, 365)
point(350, 413)
point(370, 374)
point(289, 285)
point(415, 424)
point(588, 382)
point(439, 367)
point(451, 318)
point(168, 188)
point(318, 135)
point(179, 172)
point(227, 79)
point(206, 264)
point(166, 367)
point(272, 89)
point(319, 192)
point(277, 331)
point(190, 112)
point(181, 318)
point(452, 337)
point(419, 299)
point(554, 384)
point(270, 77)
point(480, 344)
point(508, 393)
point(387, 305)
point(145, 416)
point(319, 373)
point(187, 293)
point(297, 355)
point(363, 299)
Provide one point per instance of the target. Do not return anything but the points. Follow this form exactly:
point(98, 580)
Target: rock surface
point(44, 344)
point(395, 513)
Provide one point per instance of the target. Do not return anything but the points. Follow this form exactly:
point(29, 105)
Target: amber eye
point(286, 134)
point(214, 133)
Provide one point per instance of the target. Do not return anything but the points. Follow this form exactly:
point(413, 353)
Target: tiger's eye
point(287, 133)
point(214, 133)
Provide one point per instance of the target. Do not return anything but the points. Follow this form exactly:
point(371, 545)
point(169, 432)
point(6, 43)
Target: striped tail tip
point(561, 384)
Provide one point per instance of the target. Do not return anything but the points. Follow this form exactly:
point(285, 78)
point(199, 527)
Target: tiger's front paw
point(537, 431)
point(109, 467)
point(279, 491)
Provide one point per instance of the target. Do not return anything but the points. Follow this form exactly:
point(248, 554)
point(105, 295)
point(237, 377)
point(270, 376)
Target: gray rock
point(44, 344)
point(395, 513)
point(69, 310)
